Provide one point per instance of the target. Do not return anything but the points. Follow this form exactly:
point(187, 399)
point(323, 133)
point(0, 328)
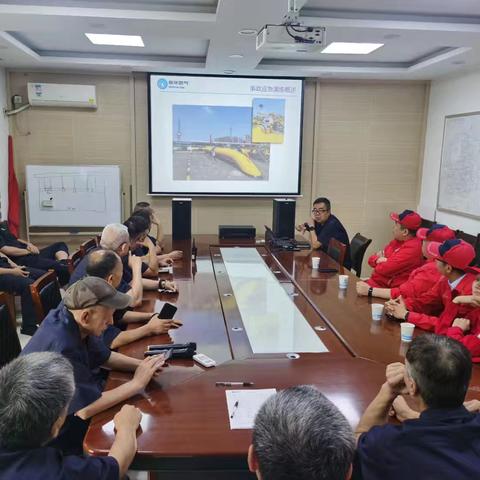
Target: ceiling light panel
point(118, 40)
point(352, 48)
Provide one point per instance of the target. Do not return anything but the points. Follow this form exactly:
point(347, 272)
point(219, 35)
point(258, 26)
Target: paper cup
point(343, 281)
point(315, 263)
point(407, 329)
point(377, 311)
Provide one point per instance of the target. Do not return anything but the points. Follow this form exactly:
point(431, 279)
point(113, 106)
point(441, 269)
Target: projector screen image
point(224, 135)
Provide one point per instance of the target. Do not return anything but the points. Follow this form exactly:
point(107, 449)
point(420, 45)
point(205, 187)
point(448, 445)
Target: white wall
point(449, 96)
point(3, 146)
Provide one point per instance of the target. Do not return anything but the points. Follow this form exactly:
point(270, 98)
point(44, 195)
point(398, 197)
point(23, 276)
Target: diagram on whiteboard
point(72, 192)
point(74, 196)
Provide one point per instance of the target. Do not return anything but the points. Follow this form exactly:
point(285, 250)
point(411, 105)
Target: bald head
point(114, 236)
point(102, 263)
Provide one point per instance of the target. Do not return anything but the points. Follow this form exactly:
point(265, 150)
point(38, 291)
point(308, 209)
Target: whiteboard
point(459, 183)
point(73, 196)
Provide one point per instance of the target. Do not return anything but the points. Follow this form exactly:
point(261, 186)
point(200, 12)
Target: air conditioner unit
point(60, 95)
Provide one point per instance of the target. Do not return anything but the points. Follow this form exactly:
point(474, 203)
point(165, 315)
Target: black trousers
point(21, 286)
point(45, 260)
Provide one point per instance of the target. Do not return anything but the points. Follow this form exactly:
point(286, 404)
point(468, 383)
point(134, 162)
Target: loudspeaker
point(283, 224)
point(181, 218)
point(236, 231)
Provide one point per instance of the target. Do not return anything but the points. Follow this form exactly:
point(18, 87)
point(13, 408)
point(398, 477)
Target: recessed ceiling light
point(120, 40)
point(228, 72)
point(458, 62)
point(247, 31)
point(302, 50)
point(391, 36)
point(97, 25)
point(236, 55)
point(352, 48)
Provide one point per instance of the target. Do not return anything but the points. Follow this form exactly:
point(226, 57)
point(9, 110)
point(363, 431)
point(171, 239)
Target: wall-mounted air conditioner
point(59, 95)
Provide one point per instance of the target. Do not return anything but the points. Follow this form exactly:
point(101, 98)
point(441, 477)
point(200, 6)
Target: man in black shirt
point(326, 226)
point(52, 257)
point(17, 280)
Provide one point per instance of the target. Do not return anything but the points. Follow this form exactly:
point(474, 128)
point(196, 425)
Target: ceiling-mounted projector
point(291, 38)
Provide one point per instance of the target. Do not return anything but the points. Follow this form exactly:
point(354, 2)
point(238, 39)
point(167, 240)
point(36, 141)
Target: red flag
point(13, 193)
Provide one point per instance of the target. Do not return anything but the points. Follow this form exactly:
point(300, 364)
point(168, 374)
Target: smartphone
point(168, 311)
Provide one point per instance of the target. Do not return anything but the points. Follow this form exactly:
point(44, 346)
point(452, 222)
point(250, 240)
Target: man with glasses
point(325, 226)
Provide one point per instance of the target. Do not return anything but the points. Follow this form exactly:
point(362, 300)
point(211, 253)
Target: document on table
point(243, 405)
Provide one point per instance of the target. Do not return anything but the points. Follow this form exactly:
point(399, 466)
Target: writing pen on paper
point(234, 384)
point(234, 409)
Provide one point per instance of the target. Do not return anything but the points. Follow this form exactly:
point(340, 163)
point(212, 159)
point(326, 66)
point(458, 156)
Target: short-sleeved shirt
point(49, 463)
point(442, 444)
point(59, 332)
point(127, 271)
point(7, 239)
point(333, 228)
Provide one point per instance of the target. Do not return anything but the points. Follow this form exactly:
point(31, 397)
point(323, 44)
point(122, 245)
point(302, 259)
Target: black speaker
point(181, 218)
point(236, 231)
point(283, 224)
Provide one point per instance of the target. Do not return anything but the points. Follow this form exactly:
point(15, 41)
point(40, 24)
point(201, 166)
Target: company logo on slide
point(162, 84)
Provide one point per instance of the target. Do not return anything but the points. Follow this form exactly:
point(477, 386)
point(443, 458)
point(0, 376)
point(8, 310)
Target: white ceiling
point(423, 39)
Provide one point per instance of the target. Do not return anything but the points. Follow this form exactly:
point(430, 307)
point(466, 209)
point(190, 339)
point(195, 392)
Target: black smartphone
point(168, 311)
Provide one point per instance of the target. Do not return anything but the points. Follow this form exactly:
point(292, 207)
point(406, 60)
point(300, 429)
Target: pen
point(234, 384)
point(234, 409)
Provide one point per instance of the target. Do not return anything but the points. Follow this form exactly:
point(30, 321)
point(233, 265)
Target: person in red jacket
point(422, 278)
point(393, 265)
point(432, 310)
point(467, 330)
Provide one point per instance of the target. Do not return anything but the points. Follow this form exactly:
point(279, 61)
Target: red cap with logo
point(408, 219)
point(436, 233)
point(456, 253)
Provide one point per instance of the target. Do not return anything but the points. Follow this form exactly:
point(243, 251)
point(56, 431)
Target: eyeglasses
point(319, 210)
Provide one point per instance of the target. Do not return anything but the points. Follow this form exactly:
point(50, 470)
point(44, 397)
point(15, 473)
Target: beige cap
point(91, 291)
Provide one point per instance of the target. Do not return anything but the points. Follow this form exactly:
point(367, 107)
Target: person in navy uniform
point(17, 279)
point(443, 442)
point(25, 253)
point(74, 329)
point(107, 264)
point(325, 226)
point(35, 391)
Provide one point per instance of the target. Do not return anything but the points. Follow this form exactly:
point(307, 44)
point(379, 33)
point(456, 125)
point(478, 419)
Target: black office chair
point(358, 247)
point(467, 237)
point(477, 251)
point(9, 343)
point(45, 295)
point(427, 223)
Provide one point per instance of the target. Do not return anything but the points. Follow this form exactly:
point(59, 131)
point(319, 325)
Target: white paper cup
point(343, 281)
point(316, 262)
point(407, 329)
point(377, 311)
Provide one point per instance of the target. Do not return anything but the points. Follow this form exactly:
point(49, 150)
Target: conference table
point(266, 317)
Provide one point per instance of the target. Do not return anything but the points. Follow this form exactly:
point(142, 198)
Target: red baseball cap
point(408, 219)
point(436, 233)
point(455, 252)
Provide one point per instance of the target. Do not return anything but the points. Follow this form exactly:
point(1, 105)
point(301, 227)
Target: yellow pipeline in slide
point(241, 160)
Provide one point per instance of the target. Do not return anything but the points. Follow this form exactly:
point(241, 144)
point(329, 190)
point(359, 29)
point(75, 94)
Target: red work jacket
point(433, 310)
point(402, 259)
point(419, 281)
point(469, 338)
